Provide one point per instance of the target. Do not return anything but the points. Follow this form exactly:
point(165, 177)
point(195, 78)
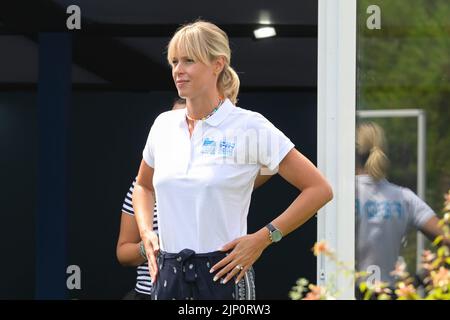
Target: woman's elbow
point(120, 256)
point(328, 192)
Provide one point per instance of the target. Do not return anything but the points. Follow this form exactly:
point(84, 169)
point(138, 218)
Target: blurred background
point(406, 65)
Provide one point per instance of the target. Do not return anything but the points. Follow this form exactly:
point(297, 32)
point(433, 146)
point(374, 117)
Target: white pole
point(421, 178)
point(336, 137)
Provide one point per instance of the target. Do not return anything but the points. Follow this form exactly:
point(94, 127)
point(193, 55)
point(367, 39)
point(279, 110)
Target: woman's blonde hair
point(203, 41)
point(371, 149)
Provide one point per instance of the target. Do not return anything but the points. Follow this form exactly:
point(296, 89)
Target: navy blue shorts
point(185, 276)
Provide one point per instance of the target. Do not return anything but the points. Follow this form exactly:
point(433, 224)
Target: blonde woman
point(200, 165)
point(384, 210)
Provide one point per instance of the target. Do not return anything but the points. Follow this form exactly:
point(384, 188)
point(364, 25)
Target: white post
point(421, 178)
point(336, 137)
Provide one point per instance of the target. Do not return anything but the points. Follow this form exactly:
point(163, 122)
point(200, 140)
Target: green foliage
point(406, 64)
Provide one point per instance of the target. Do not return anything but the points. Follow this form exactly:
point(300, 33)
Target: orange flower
point(321, 247)
point(427, 266)
point(440, 278)
point(400, 270)
point(316, 293)
point(379, 287)
point(427, 259)
point(311, 296)
point(405, 291)
point(428, 256)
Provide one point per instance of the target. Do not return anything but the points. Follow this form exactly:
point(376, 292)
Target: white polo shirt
point(203, 183)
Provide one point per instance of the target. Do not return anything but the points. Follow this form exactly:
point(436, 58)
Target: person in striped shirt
point(129, 251)
point(129, 248)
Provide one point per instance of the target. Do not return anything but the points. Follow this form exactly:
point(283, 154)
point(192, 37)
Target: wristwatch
point(274, 234)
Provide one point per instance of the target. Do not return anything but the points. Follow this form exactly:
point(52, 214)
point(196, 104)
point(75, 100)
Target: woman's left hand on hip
point(245, 251)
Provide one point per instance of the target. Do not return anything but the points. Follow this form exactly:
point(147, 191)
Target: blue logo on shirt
point(382, 209)
point(209, 146)
point(226, 148)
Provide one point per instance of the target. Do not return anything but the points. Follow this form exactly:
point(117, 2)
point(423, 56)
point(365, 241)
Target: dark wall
point(18, 176)
point(282, 264)
point(107, 133)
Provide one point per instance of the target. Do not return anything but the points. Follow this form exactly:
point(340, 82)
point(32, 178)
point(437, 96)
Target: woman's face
point(193, 78)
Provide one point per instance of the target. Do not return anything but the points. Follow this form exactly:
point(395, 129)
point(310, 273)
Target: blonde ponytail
point(228, 84)
point(377, 164)
point(370, 144)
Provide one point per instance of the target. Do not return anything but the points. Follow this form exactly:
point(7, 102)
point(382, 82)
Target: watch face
point(276, 235)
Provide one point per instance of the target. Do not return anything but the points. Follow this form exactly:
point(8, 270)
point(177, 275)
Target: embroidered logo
point(226, 148)
point(208, 146)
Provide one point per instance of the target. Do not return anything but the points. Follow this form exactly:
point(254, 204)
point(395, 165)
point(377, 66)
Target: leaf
point(367, 295)
point(437, 240)
point(436, 263)
point(442, 252)
point(363, 286)
point(302, 282)
point(295, 295)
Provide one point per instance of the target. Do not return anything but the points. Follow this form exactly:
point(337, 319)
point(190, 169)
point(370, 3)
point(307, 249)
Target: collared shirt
point(203, 184)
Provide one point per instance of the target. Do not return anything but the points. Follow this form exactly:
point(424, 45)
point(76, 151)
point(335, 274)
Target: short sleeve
point(273, 145)
point(149, 151)
point(419, 211)
point(127, 205)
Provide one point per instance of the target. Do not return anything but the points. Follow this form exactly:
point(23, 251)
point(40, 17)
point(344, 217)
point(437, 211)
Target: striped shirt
point(143, 280)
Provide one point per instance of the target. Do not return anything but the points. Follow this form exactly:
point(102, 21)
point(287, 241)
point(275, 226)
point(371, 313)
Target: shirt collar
point(221, 113)
point(367, 179)
point(224, 110)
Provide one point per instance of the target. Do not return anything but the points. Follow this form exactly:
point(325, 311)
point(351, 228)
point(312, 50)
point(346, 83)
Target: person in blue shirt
point(384, 211)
